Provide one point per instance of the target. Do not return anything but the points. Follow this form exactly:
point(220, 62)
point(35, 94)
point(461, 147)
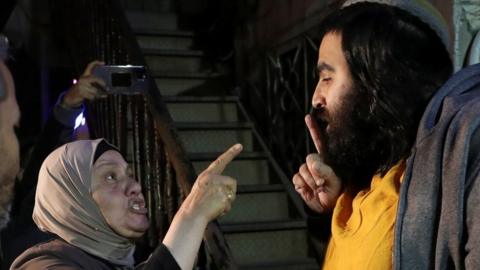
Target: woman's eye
point(325, 79)
point(110, 177)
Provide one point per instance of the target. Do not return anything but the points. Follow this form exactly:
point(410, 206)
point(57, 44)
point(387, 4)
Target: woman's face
point(119, 195)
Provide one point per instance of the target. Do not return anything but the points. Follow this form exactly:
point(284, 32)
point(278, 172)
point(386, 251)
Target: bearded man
point(398, 155)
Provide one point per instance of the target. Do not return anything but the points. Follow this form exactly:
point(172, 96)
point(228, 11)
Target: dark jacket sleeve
point(161, 259)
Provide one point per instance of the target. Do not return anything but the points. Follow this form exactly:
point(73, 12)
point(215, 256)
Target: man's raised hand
point(316, 182)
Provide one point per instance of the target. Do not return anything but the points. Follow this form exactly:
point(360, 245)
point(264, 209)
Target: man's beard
point(352, 144)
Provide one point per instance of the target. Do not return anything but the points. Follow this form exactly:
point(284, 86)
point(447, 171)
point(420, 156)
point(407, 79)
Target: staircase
point(265, 228)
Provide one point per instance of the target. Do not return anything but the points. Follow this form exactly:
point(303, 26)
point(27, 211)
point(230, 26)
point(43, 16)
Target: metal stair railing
point(277, 84)
point(276, 88)
point(138, 124)
point(279, 99)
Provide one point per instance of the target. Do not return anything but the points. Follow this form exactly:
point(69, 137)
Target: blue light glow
point(80, 121)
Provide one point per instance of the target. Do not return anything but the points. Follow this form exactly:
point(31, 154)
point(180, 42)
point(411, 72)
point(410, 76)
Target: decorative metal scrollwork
point(290, 80)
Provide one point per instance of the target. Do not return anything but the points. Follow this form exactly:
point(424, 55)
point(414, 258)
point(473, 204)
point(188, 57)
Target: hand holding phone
point(122, 79)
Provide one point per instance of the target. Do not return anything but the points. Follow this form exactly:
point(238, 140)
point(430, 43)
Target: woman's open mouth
point(137, 206)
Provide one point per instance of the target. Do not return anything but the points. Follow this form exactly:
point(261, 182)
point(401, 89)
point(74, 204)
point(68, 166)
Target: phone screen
point(121, 79)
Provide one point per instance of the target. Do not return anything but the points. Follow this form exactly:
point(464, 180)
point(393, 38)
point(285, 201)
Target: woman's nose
point(133, 187)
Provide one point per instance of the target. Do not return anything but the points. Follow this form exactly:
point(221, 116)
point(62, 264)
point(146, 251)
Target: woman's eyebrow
point(105, 164)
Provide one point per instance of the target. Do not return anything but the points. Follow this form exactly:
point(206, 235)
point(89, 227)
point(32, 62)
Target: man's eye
point(325, 79)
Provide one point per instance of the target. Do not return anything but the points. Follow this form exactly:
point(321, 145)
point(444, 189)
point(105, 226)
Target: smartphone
point(122, 79)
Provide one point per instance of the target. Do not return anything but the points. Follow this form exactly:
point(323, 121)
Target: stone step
point(149, 5)
point(215, 137)
point(200, 99)
point(246, 189)
point(153, 39)
point(249, 168)
point(174, 60)
point(293, 224)
point(304, 264)
point(150, 20)
point(203, 109)
point(276, 247)
point(178, 83)
point(269, 204)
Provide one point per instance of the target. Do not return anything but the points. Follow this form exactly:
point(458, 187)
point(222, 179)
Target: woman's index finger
point(219, 165)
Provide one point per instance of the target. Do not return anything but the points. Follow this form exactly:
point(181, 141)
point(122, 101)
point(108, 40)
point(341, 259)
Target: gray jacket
point(438, 219)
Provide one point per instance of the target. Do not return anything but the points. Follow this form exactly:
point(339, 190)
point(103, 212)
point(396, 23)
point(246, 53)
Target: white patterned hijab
point(64, 204)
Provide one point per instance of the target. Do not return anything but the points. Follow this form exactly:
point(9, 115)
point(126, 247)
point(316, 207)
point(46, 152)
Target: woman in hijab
point(87, 197)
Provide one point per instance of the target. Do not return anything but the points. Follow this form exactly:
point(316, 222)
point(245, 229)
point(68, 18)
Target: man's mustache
point(319, 115)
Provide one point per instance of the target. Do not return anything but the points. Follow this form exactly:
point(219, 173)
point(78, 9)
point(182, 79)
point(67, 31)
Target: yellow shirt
point(362, 227)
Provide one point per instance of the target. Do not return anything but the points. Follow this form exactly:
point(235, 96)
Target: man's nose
point(318, 99)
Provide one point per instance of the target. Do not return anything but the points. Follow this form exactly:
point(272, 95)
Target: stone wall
point(466, 14)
